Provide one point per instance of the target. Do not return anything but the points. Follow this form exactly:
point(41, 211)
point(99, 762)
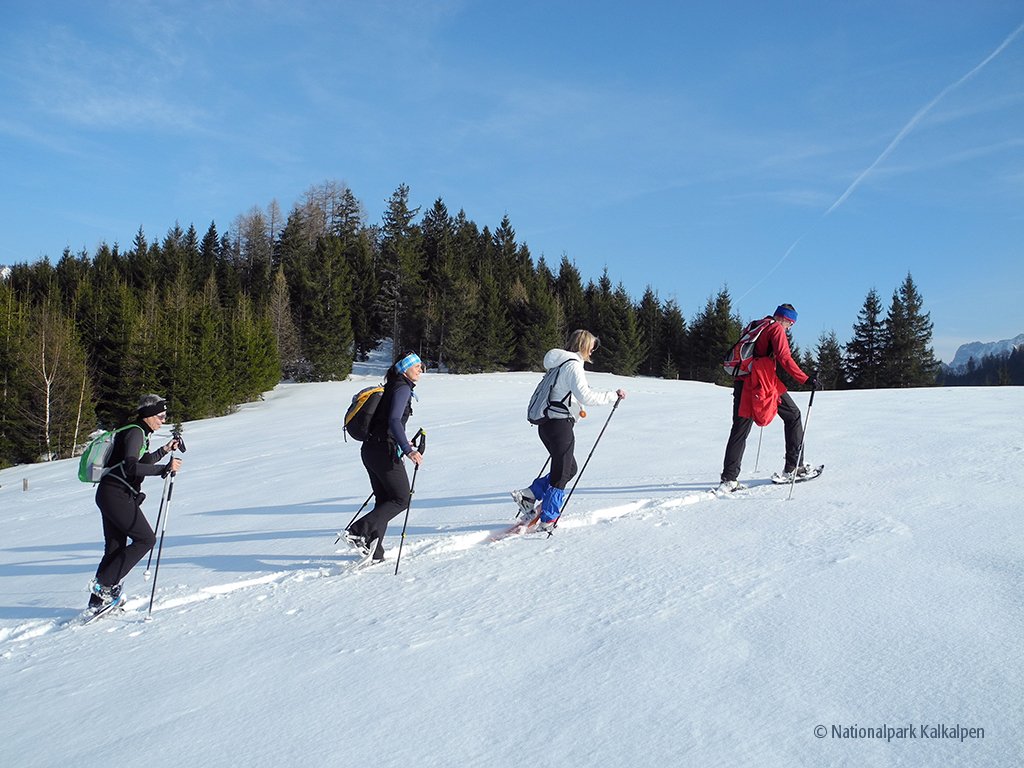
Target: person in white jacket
point(556, 429)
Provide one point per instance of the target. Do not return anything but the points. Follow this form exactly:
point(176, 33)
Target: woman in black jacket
point(382, 454)
point(119, 497)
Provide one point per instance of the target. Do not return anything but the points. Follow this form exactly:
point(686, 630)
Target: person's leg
point(122, 520)
point(560, 440)
point(392, 500)
point(790, 415)
point(737, 437)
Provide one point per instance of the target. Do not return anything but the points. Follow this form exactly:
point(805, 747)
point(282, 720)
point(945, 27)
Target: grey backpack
point(541, 401)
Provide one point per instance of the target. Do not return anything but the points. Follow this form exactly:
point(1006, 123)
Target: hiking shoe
point(526, 503)
point(790, 474)
point(357, 543)
point(728, 486)
point(102, 596)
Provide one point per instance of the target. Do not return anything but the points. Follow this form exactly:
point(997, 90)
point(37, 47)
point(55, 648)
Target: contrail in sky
point(892, 145)
point(920, 114)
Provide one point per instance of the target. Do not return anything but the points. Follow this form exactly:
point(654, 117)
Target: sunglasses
point(597, 345)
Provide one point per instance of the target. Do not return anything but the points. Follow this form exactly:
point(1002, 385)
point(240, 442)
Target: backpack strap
point(142, 452)
point(568, 395)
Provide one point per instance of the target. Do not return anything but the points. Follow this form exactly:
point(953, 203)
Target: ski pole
point(577, 481)
point(412, 489)
point(354, 518)
point(159, 516)
point(803, 440)
point(414, 438)
point(541, 473)
point(160, 547)
point(758, 457)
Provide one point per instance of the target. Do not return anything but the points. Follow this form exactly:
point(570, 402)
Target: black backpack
point(360, 412)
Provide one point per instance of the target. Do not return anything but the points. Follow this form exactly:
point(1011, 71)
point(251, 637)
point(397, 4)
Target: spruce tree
point(15, 443)
point(908, 357)
point(864, 352)
point(569, 286)
point(829, 362)
point(649, 319)
point(674, 356)
point(625, 342)
point(328, 339)
point(712, 332)
point(401, 296)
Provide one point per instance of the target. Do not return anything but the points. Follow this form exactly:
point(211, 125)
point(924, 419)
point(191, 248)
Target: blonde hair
point(581, 342)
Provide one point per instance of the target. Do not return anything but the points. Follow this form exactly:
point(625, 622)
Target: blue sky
point(791, 151)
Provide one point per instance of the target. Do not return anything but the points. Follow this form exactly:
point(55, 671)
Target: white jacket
point(572, 378)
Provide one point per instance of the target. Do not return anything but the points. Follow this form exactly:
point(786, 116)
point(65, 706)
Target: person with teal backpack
point(119, 497)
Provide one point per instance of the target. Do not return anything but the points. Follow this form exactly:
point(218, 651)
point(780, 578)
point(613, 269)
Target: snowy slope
point(659, 626)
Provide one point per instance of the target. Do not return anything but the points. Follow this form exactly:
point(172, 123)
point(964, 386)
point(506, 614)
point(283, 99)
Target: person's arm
point(783, 356)
point(582, 391)
point(134, 466)
point(396, 428)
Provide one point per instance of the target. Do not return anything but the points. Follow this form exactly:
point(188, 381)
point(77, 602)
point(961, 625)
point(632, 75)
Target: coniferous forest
point(215, 319)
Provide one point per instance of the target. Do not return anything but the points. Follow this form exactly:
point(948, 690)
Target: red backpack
point(737, 361)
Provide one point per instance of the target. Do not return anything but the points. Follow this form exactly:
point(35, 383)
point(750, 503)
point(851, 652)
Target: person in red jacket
point(759, 394)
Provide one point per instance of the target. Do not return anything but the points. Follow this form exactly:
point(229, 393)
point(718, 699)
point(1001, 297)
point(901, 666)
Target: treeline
point(214, 320)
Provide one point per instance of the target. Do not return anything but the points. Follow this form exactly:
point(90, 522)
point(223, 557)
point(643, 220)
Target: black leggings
point(391, 494)
point(560, 440)
point(122, 518)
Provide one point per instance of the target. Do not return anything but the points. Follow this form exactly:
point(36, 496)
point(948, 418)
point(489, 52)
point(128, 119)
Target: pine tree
point(442, 270)
point(864, 352)
point(15, 441)
point(908, 357)
point(140, 264)
point(569, 286)
point(493, 338)
point(829, 362)
point(649, 318)
point(209, 247)
point(712, 332)
point(674, 359)
point(624, 340)
point(602, 322)
point(401, 295)
point(328, 340)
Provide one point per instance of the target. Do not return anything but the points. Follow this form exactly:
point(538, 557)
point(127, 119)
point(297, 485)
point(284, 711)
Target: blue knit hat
point(786, 311)
point(407, 362)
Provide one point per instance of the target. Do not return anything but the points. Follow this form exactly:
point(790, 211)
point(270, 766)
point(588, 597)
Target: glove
point(813, 380)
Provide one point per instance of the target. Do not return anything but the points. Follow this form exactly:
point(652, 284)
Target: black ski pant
point(560, 440)
point(790, 415)
point(391, 494)
point(122, 519)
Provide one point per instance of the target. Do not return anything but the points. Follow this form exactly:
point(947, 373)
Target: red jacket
point(763, 387)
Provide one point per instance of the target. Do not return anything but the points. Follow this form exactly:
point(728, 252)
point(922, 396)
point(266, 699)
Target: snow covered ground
point(659, 626)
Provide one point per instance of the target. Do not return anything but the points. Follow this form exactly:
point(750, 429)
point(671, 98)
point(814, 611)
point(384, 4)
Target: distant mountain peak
point(980, 349)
